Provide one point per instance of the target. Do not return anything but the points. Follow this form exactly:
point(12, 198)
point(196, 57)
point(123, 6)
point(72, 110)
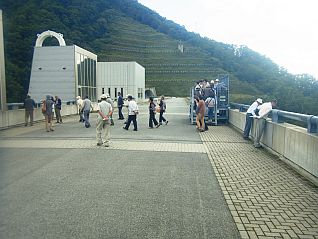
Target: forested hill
point(128, 31)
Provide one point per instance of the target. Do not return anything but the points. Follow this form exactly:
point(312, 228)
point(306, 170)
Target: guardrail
point(15, 106)
point(280, 116)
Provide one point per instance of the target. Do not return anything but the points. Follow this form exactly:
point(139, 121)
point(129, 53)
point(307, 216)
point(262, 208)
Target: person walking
point(104, 110)
point(152, 114)
point(200, 110)
point(29, 105)
point(87, 106)
point(79, 103)
point(132, 113)
point(58, 107)
point(47, 110)
point(110, 101)
point(163, 106)
point(264, 110)
point(250, 114)
point(120, 104)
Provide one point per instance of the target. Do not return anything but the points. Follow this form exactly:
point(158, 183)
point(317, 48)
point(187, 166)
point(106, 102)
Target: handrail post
point(276, 118)
point(312, 124)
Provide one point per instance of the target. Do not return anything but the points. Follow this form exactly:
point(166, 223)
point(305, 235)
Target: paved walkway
point(266, 197)
point(154, 183)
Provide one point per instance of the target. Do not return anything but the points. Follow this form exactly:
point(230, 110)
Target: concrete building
point(65, 71)
point(124, 77)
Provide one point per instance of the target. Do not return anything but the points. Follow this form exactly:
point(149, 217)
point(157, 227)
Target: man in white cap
point(264, 111)
point(249, 117)
point(104, 110)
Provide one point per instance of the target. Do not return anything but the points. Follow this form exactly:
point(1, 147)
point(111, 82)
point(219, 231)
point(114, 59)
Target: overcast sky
point(285, 31)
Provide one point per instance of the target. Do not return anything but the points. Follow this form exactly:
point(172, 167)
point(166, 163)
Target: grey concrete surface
point(91, 192)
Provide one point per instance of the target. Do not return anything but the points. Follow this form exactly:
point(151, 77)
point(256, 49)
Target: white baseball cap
point(103, 96)
point(259, 100)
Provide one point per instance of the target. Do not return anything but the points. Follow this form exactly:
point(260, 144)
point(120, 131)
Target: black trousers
point(161, 118)
point(152, 119)
point(248, 125)
point(132, 118)
point(120, 113)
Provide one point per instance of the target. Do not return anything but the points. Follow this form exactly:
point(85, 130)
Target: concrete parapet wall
point(292, 142)
point(16, 117)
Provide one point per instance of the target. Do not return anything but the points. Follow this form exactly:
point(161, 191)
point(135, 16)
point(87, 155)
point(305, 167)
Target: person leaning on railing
point(264, 110)
point(250, 114)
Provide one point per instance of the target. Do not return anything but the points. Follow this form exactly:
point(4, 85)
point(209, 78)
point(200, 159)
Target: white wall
point(127, 75)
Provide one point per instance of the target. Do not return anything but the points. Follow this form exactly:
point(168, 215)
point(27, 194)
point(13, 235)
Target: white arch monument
point(41, 38)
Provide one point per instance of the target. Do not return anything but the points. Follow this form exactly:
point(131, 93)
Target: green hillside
point(127, 31)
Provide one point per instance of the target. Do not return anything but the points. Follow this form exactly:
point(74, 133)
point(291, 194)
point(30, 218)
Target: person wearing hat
point(249, 117)
point(132, 113)
point(104, 110)
point(110, 101)
point(263, 112)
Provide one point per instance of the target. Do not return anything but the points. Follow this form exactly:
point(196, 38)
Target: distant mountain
point(128, 31)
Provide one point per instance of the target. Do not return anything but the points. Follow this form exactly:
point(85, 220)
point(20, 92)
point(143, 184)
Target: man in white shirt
point(79, 103)
point(249, 117)
point(132, 113)
point(264, 110)
point(104, 110)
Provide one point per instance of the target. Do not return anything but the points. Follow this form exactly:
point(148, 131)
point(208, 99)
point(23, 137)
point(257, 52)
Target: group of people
point(204, 97)
point(50, 106)
point(153, 109)
point(105, 109)
point(259, 111)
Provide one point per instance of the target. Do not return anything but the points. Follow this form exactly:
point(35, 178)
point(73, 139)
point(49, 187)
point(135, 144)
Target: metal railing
point(280, 116)
point(15, 106)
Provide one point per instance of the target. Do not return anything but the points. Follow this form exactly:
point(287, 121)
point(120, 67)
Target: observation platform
point(170, 182)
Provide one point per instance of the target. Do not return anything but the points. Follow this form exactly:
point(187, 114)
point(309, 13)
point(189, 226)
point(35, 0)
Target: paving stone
point(268, 195)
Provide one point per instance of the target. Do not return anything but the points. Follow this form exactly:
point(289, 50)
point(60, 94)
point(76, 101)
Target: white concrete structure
point(3, 92)
point(65, 71)
point(124, 77)
point(41, 38)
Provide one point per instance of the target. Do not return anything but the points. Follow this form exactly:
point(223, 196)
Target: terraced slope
point(168, 69)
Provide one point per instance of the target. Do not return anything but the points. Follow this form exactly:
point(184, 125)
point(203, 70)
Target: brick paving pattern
point(91, 143)
point(266, 197)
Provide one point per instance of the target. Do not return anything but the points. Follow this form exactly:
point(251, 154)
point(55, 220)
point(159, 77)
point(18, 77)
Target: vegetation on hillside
point(128, 31)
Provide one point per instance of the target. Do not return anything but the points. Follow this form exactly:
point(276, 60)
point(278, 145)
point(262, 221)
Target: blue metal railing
point(280, 116)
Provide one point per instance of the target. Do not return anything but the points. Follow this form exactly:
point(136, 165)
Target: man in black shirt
point(29, 105)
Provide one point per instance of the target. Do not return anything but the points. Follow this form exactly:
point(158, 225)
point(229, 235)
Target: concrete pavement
point(170, 182)
point(154, 183)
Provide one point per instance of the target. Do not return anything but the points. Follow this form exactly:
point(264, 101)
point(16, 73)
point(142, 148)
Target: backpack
point(43, 107)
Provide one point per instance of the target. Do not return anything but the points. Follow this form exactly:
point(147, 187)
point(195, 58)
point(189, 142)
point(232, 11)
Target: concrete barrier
point(12, 118)
point(295, 146)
